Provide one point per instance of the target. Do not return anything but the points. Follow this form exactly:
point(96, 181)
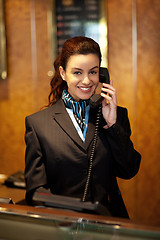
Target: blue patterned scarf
point(79, 108)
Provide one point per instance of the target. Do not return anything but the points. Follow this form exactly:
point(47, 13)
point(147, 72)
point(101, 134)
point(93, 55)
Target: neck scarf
point(79, 108)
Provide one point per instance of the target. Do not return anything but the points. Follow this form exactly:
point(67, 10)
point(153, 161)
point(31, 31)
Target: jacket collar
point(61, 116)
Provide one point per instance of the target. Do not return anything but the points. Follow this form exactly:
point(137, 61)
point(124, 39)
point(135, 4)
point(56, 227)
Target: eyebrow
point(82, 69)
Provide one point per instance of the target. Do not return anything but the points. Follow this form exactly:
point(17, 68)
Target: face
point(81, 75)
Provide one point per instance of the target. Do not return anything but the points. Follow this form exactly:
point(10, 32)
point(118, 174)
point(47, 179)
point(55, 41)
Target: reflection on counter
point(43, 223)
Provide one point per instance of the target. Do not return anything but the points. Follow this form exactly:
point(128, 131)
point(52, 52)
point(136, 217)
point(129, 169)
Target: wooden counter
point(16, 194)
point(47, 223)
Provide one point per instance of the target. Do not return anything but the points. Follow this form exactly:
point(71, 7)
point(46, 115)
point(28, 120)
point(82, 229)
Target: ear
point(62, 72)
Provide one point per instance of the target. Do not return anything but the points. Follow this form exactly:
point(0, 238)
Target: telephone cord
point(92, 153)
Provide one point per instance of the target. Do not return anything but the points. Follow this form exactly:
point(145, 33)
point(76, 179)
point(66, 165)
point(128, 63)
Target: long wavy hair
point(75, 45)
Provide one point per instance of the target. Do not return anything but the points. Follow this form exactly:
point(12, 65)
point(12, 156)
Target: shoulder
point(46, 115)
point(40, 118)
point(48, 110)
point(41, 113)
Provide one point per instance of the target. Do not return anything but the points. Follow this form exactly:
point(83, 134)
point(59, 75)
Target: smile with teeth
point(85, 88)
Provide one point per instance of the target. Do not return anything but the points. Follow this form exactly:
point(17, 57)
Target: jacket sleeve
point(126, 160)
point(35, 175)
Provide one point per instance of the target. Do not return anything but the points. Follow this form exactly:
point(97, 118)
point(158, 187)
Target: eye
point(93, 72)
point(77, 72)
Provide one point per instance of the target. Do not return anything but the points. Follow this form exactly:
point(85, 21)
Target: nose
point(86, 80)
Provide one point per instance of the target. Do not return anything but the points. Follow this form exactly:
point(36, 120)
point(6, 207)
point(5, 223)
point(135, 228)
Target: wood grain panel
point(148, 115)
point(141, 194)
point(43, 51)
point(24, 96)
point(14, 108)
point(120, 49)
point(120, 66)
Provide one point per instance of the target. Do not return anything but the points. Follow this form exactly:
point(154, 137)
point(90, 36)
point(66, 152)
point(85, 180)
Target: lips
point(85, 89)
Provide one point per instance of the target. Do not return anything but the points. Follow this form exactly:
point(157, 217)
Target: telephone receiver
point(104, 77)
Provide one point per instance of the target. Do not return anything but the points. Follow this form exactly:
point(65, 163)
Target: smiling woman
point(72, 149)
point(81, 75)
point(78, 53)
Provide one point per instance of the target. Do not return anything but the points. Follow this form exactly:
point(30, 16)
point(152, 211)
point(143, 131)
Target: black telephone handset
point(104, 77)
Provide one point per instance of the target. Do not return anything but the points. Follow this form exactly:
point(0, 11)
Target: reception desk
point(19, 221)
point(23, 222)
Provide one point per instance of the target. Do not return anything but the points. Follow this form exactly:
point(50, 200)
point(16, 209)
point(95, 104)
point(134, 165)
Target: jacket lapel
point(61, 116)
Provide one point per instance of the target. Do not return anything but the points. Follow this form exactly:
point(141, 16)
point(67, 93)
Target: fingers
point(108, 86)
point(109, 92)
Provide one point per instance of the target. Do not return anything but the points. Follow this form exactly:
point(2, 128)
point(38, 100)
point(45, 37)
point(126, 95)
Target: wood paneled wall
point(27, 88)
point(148, 113)
point(138, 85)
point(28, 83)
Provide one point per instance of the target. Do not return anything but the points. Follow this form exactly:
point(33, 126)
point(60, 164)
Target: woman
point(60, 138)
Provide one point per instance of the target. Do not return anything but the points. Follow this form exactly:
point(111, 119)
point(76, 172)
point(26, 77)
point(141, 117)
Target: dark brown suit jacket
point(57, 158)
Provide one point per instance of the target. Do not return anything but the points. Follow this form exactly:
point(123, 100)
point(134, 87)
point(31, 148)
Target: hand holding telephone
point(104, 77)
